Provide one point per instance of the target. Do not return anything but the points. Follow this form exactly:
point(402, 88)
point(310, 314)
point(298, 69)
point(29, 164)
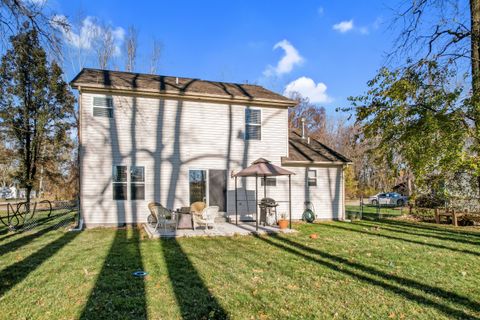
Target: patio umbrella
point(264, 168)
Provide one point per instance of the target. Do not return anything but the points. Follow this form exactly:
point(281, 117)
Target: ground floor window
point(121, 180)
point(137, 183)
point(271, 182)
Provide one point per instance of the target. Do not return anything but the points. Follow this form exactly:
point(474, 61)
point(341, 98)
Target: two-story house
point(177, 140)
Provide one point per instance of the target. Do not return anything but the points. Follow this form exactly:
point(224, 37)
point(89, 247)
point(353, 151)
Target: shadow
point(194, 299)
point(408, 230)
point(378, 278)
point(15, 273)
point(425, 227)
point(376, 234)
point(117, 293)
point(25, 239)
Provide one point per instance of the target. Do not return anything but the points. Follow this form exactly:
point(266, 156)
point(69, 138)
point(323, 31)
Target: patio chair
point(163, 216)
point(197, 207)
point(207, 218)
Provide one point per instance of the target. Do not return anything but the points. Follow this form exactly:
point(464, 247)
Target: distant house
point(179, 140)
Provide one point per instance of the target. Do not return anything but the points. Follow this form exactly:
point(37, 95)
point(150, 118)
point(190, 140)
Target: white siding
point(168, 137)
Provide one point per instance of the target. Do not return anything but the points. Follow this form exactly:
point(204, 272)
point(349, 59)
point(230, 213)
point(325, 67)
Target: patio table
point(185, 221)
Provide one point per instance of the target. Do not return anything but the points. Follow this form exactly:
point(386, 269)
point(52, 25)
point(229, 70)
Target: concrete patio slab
point(223, 229)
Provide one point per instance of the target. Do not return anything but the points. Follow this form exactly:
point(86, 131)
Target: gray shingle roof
point(138, 82)
point(315, 151)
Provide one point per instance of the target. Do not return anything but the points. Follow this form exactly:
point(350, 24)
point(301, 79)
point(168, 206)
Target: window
point(253, 124)
point(137, 183)
point(312, 178)
point(119, 181)
point(103, 107)
point(271, 182)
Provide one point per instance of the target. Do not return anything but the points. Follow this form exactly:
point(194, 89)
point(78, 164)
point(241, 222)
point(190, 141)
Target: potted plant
point(283, 222)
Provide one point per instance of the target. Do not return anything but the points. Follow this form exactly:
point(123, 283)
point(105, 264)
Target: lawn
point(365, 269)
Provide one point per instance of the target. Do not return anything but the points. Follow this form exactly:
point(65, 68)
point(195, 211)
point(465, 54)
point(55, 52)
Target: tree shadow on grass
point(194, 299)
point(117, 293)
point(18, 271)
point(398, 285)
point(420, 233)
point(422, 243)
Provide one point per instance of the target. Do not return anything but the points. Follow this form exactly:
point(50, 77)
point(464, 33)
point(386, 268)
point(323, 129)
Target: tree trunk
point(475, 60)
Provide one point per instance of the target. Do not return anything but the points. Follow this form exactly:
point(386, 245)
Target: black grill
point(268, 206)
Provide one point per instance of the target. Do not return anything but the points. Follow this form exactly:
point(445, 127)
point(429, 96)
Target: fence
point(374, 211)
point(22, 216)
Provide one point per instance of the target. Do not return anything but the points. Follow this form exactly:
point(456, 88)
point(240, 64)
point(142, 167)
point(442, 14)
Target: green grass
point(365, 269)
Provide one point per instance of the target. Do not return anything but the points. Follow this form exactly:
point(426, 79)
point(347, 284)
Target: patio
point(222, 229)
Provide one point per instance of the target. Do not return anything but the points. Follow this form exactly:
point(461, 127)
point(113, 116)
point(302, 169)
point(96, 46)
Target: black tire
point(400, 203)
point(374, 202)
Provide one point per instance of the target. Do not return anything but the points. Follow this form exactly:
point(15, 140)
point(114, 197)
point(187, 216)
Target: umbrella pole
point(256, 203)
point(290, 200)
point(236, 203)
point(264, 186)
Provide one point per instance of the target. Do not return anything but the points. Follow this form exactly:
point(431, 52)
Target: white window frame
point(117, 182)
point(130, 182)
point(253, 124)
point(101, 107)
point(312, 179)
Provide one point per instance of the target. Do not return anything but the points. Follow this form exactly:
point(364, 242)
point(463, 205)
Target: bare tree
point(15, 14)
point(105, 46)
point(131, 44)
point(155, 57)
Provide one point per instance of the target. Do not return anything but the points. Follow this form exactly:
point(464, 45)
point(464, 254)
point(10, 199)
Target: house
point(179, 140)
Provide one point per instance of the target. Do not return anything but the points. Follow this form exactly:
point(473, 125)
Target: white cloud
point(290, 59)
point(343, 26)
point(306, 87)
point(90, 31)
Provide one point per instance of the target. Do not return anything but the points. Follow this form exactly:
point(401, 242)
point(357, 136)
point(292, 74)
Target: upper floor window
point(253, 124)
point(312, 178)
point(103, 107)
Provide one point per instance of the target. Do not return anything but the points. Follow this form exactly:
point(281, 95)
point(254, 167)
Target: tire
point(400, 203)
point(374, 202)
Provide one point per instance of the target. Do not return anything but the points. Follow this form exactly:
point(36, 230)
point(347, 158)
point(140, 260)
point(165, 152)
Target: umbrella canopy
point(263, 168)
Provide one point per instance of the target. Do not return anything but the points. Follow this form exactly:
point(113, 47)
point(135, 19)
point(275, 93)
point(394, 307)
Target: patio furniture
point(197, 207)
point(185, 221)
point(207, 218)
point(163, 216)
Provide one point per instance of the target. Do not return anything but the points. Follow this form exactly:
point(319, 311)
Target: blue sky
point(330, 49)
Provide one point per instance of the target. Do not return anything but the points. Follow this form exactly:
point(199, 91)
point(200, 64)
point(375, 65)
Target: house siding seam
point(169, 137)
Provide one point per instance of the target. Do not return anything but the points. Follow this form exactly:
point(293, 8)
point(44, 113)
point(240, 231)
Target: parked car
point(389, 198)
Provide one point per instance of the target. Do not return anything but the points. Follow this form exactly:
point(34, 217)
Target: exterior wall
point(170, 137)
point(167, 137)
point(326, 196)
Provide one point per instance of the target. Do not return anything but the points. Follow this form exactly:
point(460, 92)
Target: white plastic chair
point(207, 218)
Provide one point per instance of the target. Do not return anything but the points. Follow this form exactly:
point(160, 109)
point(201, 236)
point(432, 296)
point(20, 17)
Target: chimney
point(176, 80)
point(303, 127)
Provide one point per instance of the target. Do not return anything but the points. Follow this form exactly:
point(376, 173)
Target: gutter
point(176, 95)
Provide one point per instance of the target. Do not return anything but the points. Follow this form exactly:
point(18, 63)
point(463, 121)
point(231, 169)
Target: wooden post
point(437, 216)
point(236, 203)
point(454, 218)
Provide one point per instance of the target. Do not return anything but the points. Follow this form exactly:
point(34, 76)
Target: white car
point(389, 198)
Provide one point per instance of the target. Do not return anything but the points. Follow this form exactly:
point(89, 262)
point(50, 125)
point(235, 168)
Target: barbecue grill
point(268, 211)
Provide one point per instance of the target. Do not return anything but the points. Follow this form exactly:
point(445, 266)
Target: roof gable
point(176, 86)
